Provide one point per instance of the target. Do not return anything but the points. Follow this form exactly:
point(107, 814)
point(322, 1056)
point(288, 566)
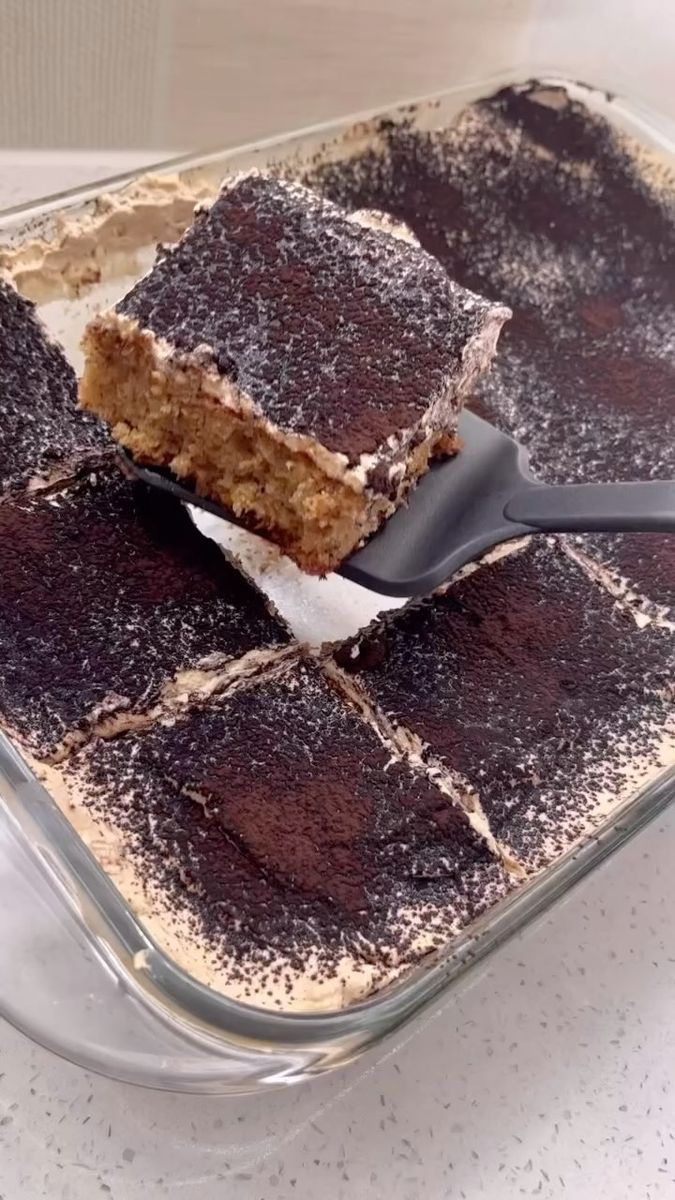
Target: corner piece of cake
point(297, 363)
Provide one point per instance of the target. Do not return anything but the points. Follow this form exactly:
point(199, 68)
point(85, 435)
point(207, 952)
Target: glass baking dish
point(78, 972)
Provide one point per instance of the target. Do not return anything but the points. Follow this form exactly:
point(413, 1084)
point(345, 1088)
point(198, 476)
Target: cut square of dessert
point(538, 697)
point(533, 197)
point(110, 601)
point(276, 847)
point(296, 363)
point(637, 567)
point(44, 437)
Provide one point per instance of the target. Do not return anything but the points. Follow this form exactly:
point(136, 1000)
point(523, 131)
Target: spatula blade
point(454, 514)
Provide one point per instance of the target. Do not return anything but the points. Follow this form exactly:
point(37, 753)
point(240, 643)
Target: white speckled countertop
point(552, 1076)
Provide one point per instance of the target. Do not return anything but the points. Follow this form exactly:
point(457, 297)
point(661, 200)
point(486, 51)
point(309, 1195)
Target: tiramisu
point(44, 437)
point(539, 698)
point(531, 197)
point(295, 363)
point(299, 835)
point(110, 601)
point(302, 864)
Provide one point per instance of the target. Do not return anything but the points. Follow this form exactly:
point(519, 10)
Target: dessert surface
point(298, 836)
point(43, 434)
point(311, 862)
point(534, 691)
point(532, 198)
point(298, 363)
point(109, 600)
point(336, 331)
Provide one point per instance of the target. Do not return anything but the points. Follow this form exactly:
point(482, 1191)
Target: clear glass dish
point(78, 972)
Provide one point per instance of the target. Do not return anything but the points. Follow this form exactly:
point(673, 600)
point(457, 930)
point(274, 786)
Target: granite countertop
point(552, 1075)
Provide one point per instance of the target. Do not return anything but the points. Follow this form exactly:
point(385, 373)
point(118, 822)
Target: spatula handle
point(596, 507)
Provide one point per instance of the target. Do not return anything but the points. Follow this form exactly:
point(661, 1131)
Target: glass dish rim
point(640, 117)
point(94, 900)
point(119, 937)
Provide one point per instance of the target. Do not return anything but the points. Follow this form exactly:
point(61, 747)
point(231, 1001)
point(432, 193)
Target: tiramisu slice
point(43, 435)
point(541, 700)
point(639, 567)
point(296, 363)
point(110, 600)
point(277, 848)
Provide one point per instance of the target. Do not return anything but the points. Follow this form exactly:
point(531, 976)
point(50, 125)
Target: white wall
point(188, 73)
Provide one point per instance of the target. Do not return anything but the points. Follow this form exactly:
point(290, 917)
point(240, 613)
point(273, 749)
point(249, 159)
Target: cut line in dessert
point(405, 744)
point(643, 610)
point(189, 688)
point(354, 869)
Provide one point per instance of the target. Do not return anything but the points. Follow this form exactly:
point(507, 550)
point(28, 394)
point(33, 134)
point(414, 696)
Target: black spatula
point(467, 504)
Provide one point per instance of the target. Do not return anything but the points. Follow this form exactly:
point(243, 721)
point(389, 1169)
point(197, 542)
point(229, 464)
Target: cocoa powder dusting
point(296, 832)
point(274, 818)
point(531, 199)
point(335, 331)
point(106, 591)
point(43, 435)
point(527, 680)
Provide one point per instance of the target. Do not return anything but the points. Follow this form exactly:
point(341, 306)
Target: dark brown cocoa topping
point(533, 200)
point(363, 654)
point(295, 830)
point(519, 677)
point(645, 561)
point(42, 432)
point(336, 331)
point(107, 590)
